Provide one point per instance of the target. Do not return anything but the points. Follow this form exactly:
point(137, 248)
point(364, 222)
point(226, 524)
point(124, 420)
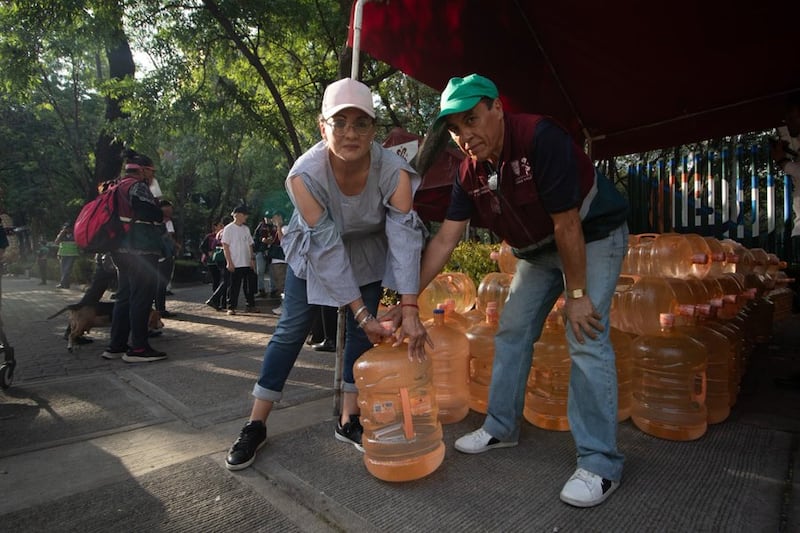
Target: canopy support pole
point(357, 18)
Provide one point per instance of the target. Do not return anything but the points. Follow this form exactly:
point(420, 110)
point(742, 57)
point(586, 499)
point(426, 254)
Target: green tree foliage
point(225, 97)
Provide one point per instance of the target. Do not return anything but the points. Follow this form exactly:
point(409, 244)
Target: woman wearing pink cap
point(353, 231)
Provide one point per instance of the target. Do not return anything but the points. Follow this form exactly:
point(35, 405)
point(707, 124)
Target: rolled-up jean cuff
point(349, 387)
point(261, 393)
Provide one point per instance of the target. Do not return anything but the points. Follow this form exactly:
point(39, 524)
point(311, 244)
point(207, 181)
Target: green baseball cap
point(462, 94)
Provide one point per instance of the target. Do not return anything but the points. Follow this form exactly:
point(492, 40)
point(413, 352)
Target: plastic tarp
point(627, 75)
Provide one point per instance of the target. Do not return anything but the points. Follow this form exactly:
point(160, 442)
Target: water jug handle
point(408, 425)
point(641, 236)
point(699, 397)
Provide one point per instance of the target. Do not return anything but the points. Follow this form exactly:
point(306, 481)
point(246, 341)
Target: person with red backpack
point(136, 259)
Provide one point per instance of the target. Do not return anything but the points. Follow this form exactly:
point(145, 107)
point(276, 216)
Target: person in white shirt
point(240, 261)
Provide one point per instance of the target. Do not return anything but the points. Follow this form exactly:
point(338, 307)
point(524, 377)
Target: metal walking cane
point(339, 365)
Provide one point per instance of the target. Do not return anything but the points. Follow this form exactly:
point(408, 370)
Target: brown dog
point(82, 318)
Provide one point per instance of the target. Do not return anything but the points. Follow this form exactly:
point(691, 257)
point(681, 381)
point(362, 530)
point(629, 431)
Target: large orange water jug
point(481, 359)
point(669, 384)
point(451, 317)
point(706, 317)
point(455, 285)
point(718, 349)
point(494, 287)
point(402, 436)
point(670, 255)
point(637, 258)
point(760, 260)
point(737, 257)
point(621, 342)
point(548, 381)
point(648, 298)
point(717, 264)
point(735, 327)
point(701, 255)
point(450, 357)
point(762, 311)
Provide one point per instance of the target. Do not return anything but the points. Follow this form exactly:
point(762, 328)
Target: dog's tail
point(55, 315)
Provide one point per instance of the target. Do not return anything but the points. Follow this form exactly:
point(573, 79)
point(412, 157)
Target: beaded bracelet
point(368, 318)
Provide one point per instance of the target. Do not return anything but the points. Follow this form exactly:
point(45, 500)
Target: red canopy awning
point(630, 76)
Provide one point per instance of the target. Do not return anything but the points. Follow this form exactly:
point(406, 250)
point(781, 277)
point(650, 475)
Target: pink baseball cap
point(345, 93)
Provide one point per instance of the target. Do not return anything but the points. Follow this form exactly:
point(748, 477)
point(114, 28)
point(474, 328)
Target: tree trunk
point(120, 64)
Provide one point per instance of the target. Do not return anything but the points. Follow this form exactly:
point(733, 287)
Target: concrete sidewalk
point(94, 445)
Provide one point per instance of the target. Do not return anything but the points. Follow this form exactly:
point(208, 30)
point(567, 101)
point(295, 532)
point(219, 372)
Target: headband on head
point(134, 166)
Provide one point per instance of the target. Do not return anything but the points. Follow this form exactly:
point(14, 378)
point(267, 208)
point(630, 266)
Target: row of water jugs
point(666, 384)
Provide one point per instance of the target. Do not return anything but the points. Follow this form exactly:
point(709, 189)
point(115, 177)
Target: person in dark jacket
point(137, 265)
point(531, 184)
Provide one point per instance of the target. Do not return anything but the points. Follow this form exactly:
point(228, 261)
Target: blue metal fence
point(707, 192)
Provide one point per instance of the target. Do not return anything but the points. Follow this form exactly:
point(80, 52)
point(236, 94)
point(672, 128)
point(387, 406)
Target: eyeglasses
point(361, 126)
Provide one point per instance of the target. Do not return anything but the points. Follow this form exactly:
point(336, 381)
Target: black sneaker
point(143, 356)
point(243, 452)
point(351, 432)
point(167, 314)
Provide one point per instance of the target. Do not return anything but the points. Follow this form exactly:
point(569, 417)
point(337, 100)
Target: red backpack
point(103, 221)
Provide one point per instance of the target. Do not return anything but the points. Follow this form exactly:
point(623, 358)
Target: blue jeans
point(592, 405)
point(292, 330)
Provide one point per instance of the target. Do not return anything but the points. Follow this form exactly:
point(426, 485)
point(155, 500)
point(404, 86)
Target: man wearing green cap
point(530, 183)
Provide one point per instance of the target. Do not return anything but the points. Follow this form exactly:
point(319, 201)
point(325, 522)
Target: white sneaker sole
point(592, 503)
point(486, 448)
point(348, 441)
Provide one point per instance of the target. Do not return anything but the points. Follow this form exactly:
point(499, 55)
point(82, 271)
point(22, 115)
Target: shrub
point(469, 257)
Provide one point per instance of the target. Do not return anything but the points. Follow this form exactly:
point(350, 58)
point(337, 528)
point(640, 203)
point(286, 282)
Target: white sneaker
point(278, 310)
point(479, 441)
point(585, 489)
point(112, 355)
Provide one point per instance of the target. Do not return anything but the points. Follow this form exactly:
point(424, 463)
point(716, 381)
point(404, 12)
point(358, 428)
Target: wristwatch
point(576, 293)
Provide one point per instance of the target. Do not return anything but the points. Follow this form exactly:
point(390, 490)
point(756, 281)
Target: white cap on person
point(345, 93)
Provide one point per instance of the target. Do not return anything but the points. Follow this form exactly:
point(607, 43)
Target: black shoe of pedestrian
point(243, 452)
point(143, 356)
point(252, 309)
point(212, 305)
point(324, 346)
point(350, 432)
point(169, 293)
point(167, 314)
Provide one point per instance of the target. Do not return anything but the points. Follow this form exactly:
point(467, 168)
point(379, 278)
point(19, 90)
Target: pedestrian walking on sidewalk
point(527, 181)
point(240, 260)
point(352, 225)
